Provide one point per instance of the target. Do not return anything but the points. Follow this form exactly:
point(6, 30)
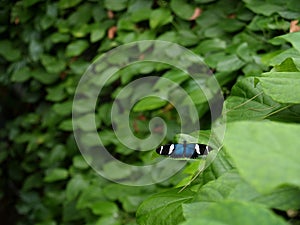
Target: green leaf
point(53, 64)
point(76, 185)
point(56, 93)
point(247, 102)
point(230, 186)
point(64, 4)
point(104, 208)
point(264, 8)
point(176, 76)
point(182, 9)
point(80, 163)
point(116, 5)
point(56, 174)
point(21, 75)
point(64, 108)
point(256, 146)
point(231, 213)
point(293, 38)
point(8, 51)
point(210, 45)
point(44, 77)
point(287, 65)
point(283, 87)
point(149, 103)
point(170, 203)
point(160, 17)
point(230, 63)
point(76, 48)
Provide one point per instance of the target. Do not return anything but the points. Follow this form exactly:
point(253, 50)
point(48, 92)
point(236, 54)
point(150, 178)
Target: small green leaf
point(116, 5)
point(149, 103)
point(53, 64)
point(256, 146)
point(160, 17)
point(64, 108)
point(8, 51)
point(182, 9)
point(76, 48)
point(56, 93)
point(230, 63)
point(64, 4)
point(104, 208)
point(21, 75)
point(170, 203)
point(76, 185)
point(56, 174)
point(79, 162)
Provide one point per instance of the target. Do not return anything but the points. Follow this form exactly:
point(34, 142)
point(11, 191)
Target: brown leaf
point(197, 13)
point(111, 32)
point(294, 27)
point(110, 14)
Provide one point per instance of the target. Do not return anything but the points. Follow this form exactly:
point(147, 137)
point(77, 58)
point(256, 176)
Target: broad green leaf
point(261, 7)
point(149, 103)
point(287, 65)
point(160, 17)
point(170, 203)
point(76, 48)
point(283, 87)
point(55, 174)
point(256, 146)
point(293, 38)
point(231, 213)
point(230, 186)
point(182, 9)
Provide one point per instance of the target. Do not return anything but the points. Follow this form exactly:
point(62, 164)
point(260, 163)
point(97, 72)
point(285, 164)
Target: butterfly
point(191, 150)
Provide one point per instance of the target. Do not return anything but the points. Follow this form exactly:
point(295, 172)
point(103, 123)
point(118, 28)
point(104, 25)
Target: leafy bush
point(46, 47)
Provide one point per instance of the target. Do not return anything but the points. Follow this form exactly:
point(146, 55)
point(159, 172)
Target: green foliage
point(45, 48)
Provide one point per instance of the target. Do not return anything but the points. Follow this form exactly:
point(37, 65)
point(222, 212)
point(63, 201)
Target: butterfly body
point(190, 150)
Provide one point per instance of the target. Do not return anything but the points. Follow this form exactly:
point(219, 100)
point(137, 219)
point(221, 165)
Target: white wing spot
point(171, 149)
point(161, 148)
point(207, 150)
point(197, 148)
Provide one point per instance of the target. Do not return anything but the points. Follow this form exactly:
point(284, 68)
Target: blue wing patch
point(191, 150)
